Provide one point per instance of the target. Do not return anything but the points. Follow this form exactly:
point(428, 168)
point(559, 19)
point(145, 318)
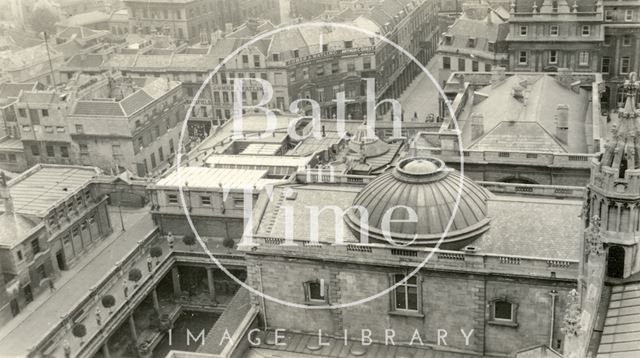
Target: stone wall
point(451, 302)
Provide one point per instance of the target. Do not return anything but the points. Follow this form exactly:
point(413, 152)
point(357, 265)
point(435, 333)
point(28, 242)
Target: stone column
point(132, 327)
point(154, 297)
point(175, 276)
point(210, 281)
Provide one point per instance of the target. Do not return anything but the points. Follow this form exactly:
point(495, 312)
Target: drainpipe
point(264, 307)
point(554, 295)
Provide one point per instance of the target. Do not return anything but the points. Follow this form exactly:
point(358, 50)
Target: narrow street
point(45, 311)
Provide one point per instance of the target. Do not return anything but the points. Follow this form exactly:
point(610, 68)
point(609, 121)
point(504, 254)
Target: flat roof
point(261, 149)
point(210, 178)
point(43, 186)
point(257, 160)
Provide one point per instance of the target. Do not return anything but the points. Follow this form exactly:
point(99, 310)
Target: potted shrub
point(79, 331)
point(189, 240)
point(108, 301)
point(134, 276)
point(155, 253)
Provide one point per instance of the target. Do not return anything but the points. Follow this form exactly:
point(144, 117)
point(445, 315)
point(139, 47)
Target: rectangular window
point(12, 158)
point(238, 203)
point(205, 200)
point(256, 60)
point(446, 63)
point(26, 128)
point(554, 30)
point(491, 46)
point(245, 59)
point(42, 272)
point(50, 151)
point(448, 40)
point(522, 58)
point(22, 112)
point(625, 64)
point(586, 30)
point(48, 129)
point(64, 151)
point(626, 40)
point(461, 64)
point(161, 154)
point(172, 198)
point(348, 44)
point(628, 15)
point(79, 128)
point(60, 129)
point(315, 291)
point(583, 58)
point(523, 30)
point(553, 57)
point(607, 40)
point(606, 65)
point(84, 149)
point(153, 160)
point(45, 113)
point(275, 57)
point(405, 296)
point(474, 66)
point(35, 246)
point(296, 53)
point(35, 150)
point(487, 67)
point(335, 67)
point(608, 15)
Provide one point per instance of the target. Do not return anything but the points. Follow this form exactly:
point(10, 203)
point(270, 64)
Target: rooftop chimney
point(565, 77)
point(498, 75)
point(477, 125)
point(562, 123)
point(5, 194)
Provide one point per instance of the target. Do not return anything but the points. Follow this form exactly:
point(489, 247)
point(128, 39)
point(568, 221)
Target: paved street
point(42, 314)
point(422, 95)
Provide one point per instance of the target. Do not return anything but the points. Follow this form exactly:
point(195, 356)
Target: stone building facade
point(46, 227)
point(547, 35)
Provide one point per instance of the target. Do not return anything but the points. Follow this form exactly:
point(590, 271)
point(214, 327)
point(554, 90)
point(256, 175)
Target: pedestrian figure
point(98, 317)
point(170, 240)
point(149, 264)
point(67, 348)
point(125, 287)
point(52, 286)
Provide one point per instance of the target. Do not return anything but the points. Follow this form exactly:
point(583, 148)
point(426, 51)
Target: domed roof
point(430, 189)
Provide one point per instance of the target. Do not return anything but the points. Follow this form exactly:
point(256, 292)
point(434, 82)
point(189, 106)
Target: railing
point(461, 260)
point(560, 160)
point(79, 310)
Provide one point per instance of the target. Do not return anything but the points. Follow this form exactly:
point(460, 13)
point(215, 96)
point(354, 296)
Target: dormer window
point(491, 46)
point(554, 5)
point(348, 44)
point(471, 42)
point(448, 40)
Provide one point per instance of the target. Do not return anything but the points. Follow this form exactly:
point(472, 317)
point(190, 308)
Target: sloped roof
point(543, 94)
point(43, 186)
point(12, 90)
point(14, 228)
point(27, 56)
point(85, 60)
point(98, 108)
point(41, 97)
point(81, 32)
point(519, 136)
point(135, 101)
point(86, 18)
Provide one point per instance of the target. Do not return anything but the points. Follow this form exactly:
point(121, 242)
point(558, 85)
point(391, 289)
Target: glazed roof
point(430, 189)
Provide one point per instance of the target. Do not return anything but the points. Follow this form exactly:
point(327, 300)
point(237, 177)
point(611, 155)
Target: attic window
point(471, 42)
point(448, 40)
point(491, 46)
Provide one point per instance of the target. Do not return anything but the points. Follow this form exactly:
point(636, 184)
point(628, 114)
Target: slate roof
point(38, 97)
point(519, 136)
point(546, 228)
point(294, 345)
point(14, 228)
point(88, 60)
point(27, 56)
point(482, 31)
point(511, 231)
point(80, 32)
point(12, 90)
point(153, 88)
point(43, 186)
point(84, 19)
point(543, 94)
